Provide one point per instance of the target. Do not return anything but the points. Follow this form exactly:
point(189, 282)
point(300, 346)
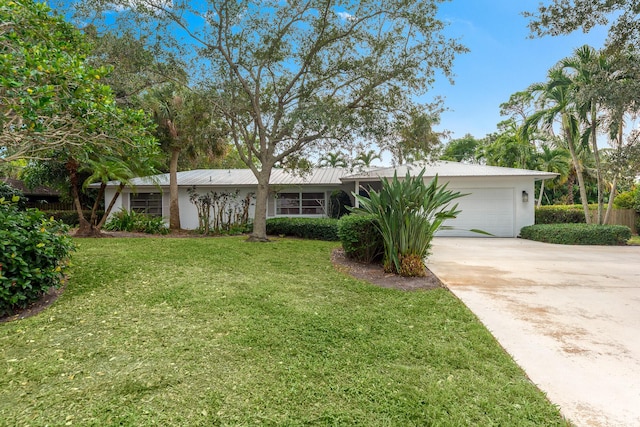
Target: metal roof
point(331, 176)
point(446, 169)
point(243, 178)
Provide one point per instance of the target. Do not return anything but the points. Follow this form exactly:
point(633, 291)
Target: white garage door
point(488, 209)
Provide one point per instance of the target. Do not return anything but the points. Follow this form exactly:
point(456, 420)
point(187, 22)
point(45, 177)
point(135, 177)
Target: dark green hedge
point(360, 238)
point(577, 234)
point(306, 228)
point(560, 214)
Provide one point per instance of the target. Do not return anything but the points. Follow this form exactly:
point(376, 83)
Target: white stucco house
point(499, 200)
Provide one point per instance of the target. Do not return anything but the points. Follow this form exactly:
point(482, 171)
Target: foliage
point(361, 238)
point(564, 17)
point(51, 98)
point(69, 218)
point(305, 228)
point(289, 79)
point(125, 220)
point(221, 212)
point(628, 199)
point(8, 193)
point(408, 213)
point(414, 138)
point(559, 214)
point(201, 332)
point(461, 149)
point(577, 234)
point(34, 254)
point(333, 160)
point(339, 204)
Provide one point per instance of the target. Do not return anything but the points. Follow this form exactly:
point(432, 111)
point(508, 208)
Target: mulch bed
point(372, 273)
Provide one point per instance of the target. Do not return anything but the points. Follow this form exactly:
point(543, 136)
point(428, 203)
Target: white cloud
point(346, 16)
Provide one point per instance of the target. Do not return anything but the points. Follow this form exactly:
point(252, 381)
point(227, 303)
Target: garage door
point(488, 209)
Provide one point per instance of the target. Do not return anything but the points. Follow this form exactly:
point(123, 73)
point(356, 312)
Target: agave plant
point(408, 213)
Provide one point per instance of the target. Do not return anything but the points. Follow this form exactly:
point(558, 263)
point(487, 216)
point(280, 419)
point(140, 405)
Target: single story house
point(498, 200)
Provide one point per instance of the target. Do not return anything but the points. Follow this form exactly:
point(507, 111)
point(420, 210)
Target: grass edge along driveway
point(164, 331)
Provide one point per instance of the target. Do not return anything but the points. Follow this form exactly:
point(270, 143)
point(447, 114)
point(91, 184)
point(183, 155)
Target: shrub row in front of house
point(306, 228)
point(577, 234)
point(360, 238)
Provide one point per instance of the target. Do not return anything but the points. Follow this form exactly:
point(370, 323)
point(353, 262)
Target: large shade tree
point(291, 77)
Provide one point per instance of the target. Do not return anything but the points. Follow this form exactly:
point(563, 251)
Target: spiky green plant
point(409, 212)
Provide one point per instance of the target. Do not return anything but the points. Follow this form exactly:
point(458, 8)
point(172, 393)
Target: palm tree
point(184, 126)
point(552, 160)
point(586, 66)
point(365, 159)
point(555, 103)
point(333, 160)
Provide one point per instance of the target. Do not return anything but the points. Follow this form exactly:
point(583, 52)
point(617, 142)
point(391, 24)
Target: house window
point(148, 203)
point(300, 204)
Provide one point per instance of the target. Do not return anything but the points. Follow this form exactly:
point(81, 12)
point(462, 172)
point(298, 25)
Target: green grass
point(164, 331)
point(634, 240)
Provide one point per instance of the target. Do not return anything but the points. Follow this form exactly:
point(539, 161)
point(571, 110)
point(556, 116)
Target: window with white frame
point(148, 203)
point(300, 204)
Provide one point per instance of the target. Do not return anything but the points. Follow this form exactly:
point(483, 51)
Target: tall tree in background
point(414, 138)
point(552, 159)
point(462, 150)
point(333, 160)
point(288, 78)
point(366, 158)
point(555, 103)
point(185, 125)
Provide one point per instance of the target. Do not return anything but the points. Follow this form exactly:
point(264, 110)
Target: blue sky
point(502, 60)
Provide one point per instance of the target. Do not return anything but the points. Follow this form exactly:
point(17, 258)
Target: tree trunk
point(259, 233)
point(596, 156)
point(578, 169)
point(107, 211)
point(612, 195)
point(174, 205)
point(541, 193)
point(85, 228)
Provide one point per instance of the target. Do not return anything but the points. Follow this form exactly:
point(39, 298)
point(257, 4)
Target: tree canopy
point(566, 16)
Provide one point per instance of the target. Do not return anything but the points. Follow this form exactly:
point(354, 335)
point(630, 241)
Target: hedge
point(560, 214)
point(577, 234)
point(306, 228)
point(360, 238)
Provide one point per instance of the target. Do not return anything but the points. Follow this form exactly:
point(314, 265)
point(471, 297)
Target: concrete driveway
point(569, 316)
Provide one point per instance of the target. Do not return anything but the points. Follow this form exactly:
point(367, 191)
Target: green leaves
point(34, 253)
point(408, 213)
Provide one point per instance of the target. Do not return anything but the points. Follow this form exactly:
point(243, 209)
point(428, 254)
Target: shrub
point(408, 213)
point(627, 199)
point(9, 193)
point(360, 238)
point(560, 214)
point(34, 253)
point(577, 234)
point(306, 228)
point(70, 217)
point(125, 220)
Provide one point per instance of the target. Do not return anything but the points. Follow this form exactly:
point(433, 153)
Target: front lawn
point(170, 331)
